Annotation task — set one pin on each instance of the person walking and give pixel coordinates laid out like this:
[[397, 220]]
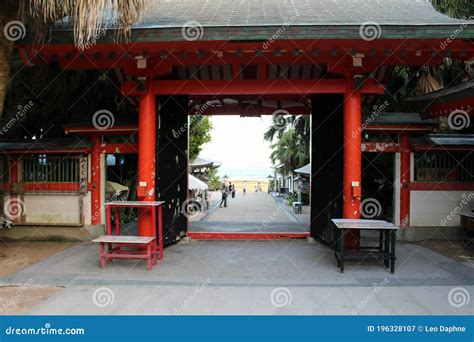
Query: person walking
[[224, 197], [233, 191], [244, 187]]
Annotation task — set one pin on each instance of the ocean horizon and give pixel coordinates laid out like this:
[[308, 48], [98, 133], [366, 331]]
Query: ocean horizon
[[243, 173]]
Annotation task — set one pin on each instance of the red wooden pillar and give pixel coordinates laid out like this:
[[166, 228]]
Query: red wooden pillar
[[404, 181], [95, 181], [146, 160], [14, 170], [352, 162]]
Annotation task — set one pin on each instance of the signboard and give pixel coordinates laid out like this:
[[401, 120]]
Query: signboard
[[83, 174]]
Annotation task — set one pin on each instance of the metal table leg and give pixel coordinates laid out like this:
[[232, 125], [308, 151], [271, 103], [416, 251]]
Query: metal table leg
[[341, 249], [380, 240], [386, 236], [393, 238]]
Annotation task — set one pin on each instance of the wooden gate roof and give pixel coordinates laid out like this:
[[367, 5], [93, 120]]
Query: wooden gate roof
[[176, 13], [302, 19]]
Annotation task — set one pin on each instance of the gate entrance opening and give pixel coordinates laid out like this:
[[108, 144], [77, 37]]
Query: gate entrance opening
[[248, 196]]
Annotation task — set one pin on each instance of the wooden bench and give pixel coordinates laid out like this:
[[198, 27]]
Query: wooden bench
[[136, 247], [132, 247]]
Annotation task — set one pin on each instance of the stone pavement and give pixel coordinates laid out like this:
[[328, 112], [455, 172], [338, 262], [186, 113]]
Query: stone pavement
[[251, 277], [253, 212]]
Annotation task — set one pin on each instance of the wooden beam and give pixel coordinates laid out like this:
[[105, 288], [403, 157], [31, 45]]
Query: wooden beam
[[381, 147], [251, 87]]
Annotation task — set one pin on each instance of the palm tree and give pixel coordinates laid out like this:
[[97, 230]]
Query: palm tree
[[290, 137], [454, 8], [289, 151], [8, 14], [301, 124], [86, 16], [408, 82], [290, 128]]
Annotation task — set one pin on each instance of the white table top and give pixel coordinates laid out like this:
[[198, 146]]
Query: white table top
[[363, 224], [124, 239], [134, 203]]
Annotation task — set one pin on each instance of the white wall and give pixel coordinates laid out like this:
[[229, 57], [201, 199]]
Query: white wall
[[439, 208], [103, 180], [87, 208], [52, 209]]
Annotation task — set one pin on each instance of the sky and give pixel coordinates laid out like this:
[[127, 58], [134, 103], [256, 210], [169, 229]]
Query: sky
[[238, 144]]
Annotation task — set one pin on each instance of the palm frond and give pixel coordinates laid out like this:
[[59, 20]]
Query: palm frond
[[90, 17]]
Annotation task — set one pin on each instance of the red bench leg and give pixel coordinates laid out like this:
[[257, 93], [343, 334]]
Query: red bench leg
[[109, 248], [155, 253], [149, 255], [102, 255]]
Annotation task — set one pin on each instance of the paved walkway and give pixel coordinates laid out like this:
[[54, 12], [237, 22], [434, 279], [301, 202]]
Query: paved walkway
[[251, 277], [253, 212]]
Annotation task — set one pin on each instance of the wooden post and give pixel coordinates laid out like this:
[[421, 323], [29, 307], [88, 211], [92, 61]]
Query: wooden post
[[352, 162], [146, 161], [405, 181], [95, 181]]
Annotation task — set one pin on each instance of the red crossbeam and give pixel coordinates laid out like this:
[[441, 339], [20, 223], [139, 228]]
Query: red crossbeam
[[250, 87]]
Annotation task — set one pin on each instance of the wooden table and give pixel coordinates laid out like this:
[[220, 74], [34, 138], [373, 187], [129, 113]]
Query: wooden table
[[132, 247], [385, 249]]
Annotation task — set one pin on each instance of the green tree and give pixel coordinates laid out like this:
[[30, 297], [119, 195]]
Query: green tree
[[215, 182], [290, 137], [454, 8], [200, 128], [408, 82], [289, 150]]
